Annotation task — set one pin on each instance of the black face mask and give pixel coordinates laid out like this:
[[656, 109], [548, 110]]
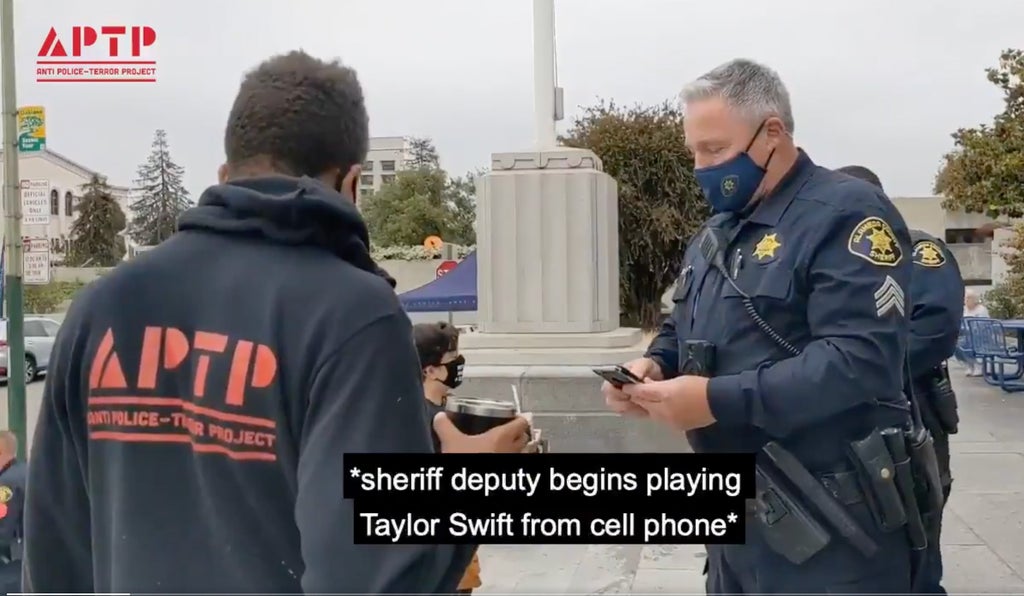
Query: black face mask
[[339, 180], [454, 368]]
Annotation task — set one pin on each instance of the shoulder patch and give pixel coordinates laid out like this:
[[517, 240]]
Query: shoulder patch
[[5, 494], [928, 253], [874, 241]]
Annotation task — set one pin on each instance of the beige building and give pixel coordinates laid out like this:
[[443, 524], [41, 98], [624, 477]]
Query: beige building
[[386, 157], [973, 252], [64, 178]]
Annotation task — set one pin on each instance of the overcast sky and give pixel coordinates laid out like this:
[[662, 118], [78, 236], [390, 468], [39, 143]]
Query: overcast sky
[[874, 82]]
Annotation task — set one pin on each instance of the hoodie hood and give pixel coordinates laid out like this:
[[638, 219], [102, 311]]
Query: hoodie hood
[[289, 211]]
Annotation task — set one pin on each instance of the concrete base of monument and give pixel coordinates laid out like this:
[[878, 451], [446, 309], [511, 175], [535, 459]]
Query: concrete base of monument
[[552, 349], [567, 405]]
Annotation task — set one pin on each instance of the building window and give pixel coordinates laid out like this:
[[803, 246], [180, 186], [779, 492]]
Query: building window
[[54, 202], [368, 166], [387, 166], [69, 203], [366, 180], [387, 178], [366, 192], [964, 236]]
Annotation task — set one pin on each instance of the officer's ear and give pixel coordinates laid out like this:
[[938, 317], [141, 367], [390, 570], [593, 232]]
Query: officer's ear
[[775, 130]]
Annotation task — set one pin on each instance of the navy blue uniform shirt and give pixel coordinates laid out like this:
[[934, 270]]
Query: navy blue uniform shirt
[[12, 497], [937, 296], [825, 259]]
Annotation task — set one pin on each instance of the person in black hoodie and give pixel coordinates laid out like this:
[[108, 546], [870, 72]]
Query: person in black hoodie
[[202, 396]]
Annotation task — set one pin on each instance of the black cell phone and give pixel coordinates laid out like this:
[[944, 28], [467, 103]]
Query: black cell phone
[[617, 375]]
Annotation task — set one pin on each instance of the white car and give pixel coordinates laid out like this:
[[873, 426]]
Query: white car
[[40, 334]]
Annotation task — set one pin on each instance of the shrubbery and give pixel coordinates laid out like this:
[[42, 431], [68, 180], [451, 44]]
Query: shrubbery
[[48, 298], [416, 253]]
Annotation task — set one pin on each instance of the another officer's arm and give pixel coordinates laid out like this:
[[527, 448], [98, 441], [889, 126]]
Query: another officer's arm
[[859, 337], [936, 290], [58, 536], [367, 397]]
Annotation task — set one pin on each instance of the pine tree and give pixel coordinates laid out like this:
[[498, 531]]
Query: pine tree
[[422, 155], [162, 195], [95, 234]]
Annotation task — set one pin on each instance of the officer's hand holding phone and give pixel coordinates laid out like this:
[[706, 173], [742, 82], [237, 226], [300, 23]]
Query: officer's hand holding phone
[[511, 437], [619, 402]]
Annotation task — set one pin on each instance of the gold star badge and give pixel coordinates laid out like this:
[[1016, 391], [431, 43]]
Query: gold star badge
[[766, 247]]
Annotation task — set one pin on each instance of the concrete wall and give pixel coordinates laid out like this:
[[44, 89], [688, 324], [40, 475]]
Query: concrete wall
[[975, 260]]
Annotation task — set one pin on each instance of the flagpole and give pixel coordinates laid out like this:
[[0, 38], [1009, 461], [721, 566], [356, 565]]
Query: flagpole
[[544, 73]]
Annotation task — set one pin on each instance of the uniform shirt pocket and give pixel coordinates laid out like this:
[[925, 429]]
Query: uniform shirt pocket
[[771, 284], [683, 285]]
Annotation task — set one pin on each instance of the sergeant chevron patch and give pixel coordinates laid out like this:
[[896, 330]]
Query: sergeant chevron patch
[[889, 297]]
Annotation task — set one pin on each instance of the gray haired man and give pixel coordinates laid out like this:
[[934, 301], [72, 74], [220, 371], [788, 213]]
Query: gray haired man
[[786, 337]]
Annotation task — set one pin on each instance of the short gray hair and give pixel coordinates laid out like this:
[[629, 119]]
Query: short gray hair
[[747, 86]]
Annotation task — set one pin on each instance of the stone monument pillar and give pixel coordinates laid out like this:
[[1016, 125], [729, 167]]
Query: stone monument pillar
[[548, 284]]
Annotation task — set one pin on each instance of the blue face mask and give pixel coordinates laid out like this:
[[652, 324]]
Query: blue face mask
[[729, 186]]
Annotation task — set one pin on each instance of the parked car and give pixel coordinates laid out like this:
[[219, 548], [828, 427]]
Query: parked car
[[40, 334]]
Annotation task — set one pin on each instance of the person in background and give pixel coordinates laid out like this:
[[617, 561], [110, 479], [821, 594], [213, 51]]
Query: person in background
[[972, 308], [437, 345], [936, 287], [12, 502], [202, 397]]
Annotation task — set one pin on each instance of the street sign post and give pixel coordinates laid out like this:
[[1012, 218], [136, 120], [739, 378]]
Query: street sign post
[[37, 261], [35, 202], [13, 291], [31, 129]]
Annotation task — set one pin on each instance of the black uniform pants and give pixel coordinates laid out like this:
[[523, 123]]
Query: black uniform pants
[[753, 568], [930, 581]]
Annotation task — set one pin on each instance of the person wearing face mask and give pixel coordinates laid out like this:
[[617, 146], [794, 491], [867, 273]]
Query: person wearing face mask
[[438, 347], [786, 340], [202, 398]]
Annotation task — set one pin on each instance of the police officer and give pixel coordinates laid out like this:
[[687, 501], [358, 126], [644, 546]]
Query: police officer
[[936, 294], [12, 502], [786, 340]]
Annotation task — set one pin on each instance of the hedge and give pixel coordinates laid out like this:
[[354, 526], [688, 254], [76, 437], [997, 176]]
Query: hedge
[[416, 253]]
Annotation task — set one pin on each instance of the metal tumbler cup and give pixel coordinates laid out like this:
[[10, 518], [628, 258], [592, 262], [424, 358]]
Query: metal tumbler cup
[[475, 416]]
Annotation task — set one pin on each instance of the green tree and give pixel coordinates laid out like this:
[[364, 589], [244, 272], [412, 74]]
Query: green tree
[[407, 210], [95, 234], [460, 206], [422, 154], [162, 195], [984, 173], [1006, 300], [422, 201], [660, 204]]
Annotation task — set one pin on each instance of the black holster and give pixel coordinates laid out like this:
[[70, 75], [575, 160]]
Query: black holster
[[927, 480], [787, 527], [940, 399]]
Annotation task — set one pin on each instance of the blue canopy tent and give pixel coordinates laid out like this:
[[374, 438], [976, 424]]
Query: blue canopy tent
[[453, 292]]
